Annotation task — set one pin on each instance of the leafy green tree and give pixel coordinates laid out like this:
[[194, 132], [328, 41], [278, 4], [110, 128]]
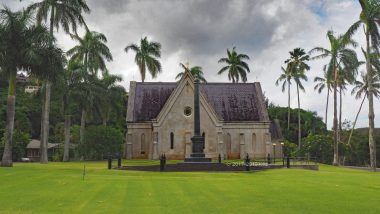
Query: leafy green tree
[[236, 66], [340, 56], [370, 19], [319, 147], [196, 71], [101, 141], [146, 57], [286, 78], [63, 13], [20, 47], [311, 122], [297, 65]]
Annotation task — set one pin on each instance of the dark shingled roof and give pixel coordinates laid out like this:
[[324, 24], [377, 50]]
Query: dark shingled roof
[[150, 98], [232, 102]]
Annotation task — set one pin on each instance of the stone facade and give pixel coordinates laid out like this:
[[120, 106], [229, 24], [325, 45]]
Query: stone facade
[[160, 120]]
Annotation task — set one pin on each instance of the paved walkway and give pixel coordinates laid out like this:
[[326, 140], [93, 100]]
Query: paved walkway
[[360, 167]]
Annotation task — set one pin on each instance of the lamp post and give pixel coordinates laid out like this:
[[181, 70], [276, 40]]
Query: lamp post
[[283, 156], [274, 153]]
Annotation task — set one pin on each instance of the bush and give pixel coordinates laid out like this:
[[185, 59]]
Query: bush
[[318, 146], [100, 141], [20, 141]]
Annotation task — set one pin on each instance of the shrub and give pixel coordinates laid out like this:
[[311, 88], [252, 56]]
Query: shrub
[[100, 141]]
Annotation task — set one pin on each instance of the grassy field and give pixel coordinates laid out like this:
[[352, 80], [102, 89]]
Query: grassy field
[[59, 188]]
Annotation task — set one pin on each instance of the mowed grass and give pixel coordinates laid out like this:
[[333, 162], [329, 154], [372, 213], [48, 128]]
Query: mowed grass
[[59, 188]]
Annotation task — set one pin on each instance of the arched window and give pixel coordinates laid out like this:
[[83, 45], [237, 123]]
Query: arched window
[[171, 140]]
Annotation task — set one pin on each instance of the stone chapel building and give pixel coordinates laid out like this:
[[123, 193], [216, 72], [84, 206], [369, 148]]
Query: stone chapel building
[[234, 120]]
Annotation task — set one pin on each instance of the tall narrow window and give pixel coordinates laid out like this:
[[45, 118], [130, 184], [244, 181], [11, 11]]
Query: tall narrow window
[[143, 144], [204, 138], [171, 140]]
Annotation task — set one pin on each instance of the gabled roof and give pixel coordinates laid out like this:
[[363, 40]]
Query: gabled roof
[[232, 102], [35, 144], [236, 102]]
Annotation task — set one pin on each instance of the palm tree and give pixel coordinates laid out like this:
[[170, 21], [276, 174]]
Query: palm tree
[[297, 66], [340, 57], [146, 57], [22, 46], [65, 13], [70, 78], [370, 19], [360, 89], [236, 66], [109, 96], [286, 77], [91, 51], [196, 71], [322, 83]]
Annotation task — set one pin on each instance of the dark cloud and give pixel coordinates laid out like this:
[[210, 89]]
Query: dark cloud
[[199, 27]]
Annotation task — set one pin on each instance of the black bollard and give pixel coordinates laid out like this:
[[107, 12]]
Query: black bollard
[[119, 161], [164, 159], [268, 158], [109, 162], [219, 158], [161, 163], [247, 163], [288, 162]]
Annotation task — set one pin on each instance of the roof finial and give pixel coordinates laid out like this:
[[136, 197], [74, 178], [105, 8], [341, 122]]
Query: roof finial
[[187, 64]]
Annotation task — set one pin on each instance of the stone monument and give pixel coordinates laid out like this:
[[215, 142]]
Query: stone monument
[[198, 141]]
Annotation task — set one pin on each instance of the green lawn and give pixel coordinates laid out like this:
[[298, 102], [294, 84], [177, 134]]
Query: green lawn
[[59, 188]]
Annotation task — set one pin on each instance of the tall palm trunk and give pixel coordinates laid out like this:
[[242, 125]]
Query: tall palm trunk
[[82, 125], [340, 115], [371, 114], [66, 150], [46, 110], [288, 105], [45, 136], [356, 118], [11, 105], [299, 118], [335, 123], [327, 105]]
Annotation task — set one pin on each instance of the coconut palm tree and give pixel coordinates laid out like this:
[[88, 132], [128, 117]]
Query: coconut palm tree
[[297, 66], [340, 56], [146, 57], [322, 83], [196, 71], [236, 66], [27, 47], [360, 89], [369, 18], [65, 13], [92, 52], [286, 78]]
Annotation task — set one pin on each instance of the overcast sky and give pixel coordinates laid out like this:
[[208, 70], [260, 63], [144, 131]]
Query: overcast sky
[[199, 32]]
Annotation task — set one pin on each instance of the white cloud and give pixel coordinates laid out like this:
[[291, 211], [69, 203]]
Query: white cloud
[[201, 31]]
